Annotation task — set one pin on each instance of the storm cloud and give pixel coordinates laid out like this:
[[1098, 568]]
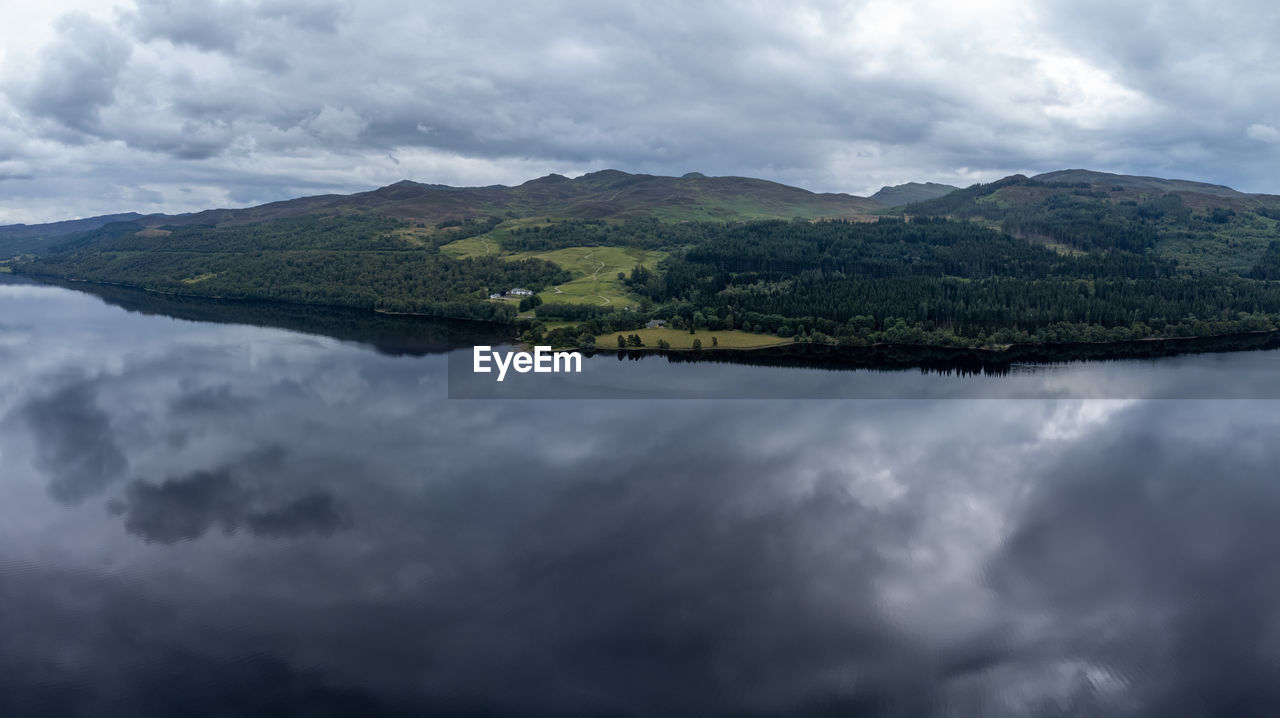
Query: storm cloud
[[228, 498], [163, 106]]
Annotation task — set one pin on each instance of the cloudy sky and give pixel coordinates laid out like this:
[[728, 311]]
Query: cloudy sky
[[155, 105]]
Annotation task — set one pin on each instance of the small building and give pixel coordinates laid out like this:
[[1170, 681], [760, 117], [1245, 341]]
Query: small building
[[496, 295], [655, 324], [520, 292]]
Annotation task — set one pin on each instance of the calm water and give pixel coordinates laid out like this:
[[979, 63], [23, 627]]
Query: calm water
[[213, 519]]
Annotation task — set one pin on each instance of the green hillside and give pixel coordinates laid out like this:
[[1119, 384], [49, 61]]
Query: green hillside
[[365, 261], [608, 194], [911, 192], [1200, 226], [18, 239], [1148, 184], [1080, 256]]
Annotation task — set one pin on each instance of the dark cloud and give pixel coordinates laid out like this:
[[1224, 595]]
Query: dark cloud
[[216, 25], [310, 15], [185, 508], [190, 675], [75, 442], [1150, 559], [78, 75], [213, 399], [182, 509], [226, 25], [316, 513]]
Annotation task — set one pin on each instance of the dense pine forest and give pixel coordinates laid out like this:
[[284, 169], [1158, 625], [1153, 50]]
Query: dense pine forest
[[936, 281]]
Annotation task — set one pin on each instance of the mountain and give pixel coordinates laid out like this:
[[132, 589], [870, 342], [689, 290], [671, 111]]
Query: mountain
[[911, 192], [32, 238], [1200, 226], [64, 228], [607, 194], [1073, 256], [1134, 182], [1113, 188]]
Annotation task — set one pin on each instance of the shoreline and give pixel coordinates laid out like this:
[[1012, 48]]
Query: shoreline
[[993, 350], [793, 353], [902, 356]]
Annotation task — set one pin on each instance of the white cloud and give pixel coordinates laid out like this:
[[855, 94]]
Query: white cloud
[[1263, 133]]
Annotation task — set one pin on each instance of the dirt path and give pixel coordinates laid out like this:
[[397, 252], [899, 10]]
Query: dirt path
[[595, 277]]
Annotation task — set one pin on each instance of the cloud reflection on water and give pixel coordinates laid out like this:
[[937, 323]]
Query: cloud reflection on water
[[278, 521]]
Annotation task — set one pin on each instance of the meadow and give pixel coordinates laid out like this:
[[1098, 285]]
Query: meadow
[[595, 268], [682, 339]]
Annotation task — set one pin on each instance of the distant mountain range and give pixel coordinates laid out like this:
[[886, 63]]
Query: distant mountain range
[[613, 195], [29, 238], [608, 194]]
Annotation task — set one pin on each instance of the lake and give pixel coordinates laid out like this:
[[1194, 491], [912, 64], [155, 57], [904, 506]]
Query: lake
[[265, 511]]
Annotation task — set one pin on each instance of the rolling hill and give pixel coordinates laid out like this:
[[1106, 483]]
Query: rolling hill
[[1135, 182], [911, 192], [34, 238], [1202, 227], [1066, 256], [608, 195]]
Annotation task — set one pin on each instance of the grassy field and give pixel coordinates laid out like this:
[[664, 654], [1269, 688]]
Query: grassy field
[[596, 273], [682, 339], [595, 269], [489, 242], [471, 247]]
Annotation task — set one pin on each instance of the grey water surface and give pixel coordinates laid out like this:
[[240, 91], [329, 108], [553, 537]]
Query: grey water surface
[[218, 519]]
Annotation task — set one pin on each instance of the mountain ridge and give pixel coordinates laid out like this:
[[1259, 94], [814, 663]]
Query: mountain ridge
[[896, 195], [612, 194], [606, 194], [1138, 182]]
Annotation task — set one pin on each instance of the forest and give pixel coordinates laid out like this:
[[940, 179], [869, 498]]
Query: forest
[[348, 261], [940, 282], [1070, 265]]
